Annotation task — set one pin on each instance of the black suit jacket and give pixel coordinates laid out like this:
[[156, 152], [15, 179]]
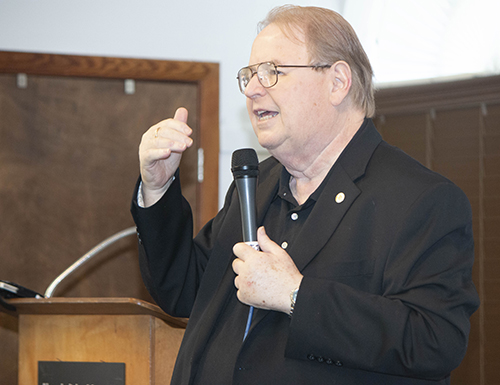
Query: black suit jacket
[[387, 290]]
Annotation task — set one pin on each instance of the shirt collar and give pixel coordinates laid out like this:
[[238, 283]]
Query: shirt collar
[[285, 193]]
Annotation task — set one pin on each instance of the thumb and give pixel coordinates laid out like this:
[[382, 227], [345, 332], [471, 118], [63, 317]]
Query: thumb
[[181, 114], [265, 243]]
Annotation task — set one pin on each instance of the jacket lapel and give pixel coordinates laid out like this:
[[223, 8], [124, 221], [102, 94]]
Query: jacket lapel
[[266, 192], [337, 197]]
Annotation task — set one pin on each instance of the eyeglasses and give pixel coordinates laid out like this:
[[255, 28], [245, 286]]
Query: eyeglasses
[[267, 73]]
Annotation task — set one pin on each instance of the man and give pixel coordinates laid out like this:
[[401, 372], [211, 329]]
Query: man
[[364, 273]]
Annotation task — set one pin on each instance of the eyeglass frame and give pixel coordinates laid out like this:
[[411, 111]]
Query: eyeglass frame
[[276, 66]]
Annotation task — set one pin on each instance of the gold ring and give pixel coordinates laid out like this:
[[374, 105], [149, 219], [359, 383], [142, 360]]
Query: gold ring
[[156, 131]]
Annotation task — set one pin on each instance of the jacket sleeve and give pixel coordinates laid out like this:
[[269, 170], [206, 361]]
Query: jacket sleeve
[[172, 263], [417, 324]]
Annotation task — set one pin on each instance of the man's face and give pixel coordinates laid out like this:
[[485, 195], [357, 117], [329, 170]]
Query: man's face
[[291, 116]]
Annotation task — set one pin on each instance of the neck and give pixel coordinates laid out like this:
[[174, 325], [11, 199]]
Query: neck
[[309, 168]]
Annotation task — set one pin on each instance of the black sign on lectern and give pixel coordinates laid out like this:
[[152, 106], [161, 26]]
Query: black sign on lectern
[[81, 373]]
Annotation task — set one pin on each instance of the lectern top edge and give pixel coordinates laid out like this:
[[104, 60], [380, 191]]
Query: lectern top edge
[[92, 306]]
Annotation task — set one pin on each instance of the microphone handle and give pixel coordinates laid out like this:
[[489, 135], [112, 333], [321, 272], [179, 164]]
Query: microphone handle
[[246, 187]]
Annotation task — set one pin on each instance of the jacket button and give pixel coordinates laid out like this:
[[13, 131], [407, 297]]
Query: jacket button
[[311, 357]]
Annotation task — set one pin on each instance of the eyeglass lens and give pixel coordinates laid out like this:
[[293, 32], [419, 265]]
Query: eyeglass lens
[[266, 73]]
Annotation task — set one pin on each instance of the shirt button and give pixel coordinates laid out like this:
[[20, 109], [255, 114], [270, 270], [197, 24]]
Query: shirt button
[[295, 216], [284, 245]]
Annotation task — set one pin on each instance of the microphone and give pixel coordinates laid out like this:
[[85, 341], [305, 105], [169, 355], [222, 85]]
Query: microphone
[[245, 169]]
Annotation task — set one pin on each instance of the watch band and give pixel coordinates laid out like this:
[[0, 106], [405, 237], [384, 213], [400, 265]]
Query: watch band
[[293, 299]]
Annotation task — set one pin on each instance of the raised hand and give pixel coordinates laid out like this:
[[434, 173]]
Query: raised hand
[[160, 154]]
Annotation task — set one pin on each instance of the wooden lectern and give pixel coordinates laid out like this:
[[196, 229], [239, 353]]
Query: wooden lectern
[[121, 330]]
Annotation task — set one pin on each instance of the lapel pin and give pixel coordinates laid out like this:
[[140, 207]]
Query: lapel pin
[[340, 197]]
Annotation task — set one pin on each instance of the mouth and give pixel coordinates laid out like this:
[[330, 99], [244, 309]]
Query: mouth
[[264, 114]]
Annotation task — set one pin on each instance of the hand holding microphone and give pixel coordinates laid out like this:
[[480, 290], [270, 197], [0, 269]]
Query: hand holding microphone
[[264, 278], [160, 154]]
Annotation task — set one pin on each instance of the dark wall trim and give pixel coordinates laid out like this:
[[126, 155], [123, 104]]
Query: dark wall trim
[[444, 95]]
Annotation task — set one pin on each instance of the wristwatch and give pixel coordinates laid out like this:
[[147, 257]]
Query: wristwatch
[[293, 299]]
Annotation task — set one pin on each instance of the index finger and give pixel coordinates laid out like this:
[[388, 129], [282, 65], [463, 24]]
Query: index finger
[[177, 123], [243, 249]]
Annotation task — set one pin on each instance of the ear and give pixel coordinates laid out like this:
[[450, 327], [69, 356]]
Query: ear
[[341, 81]]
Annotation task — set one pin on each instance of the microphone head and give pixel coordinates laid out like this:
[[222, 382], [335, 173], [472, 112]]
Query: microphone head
[[245, 163]]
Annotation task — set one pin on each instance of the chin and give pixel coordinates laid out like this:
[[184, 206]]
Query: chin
[[265, 141], [272, 148]]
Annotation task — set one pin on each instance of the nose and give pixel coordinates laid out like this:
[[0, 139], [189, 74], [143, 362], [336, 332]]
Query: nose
[[254, 88]]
